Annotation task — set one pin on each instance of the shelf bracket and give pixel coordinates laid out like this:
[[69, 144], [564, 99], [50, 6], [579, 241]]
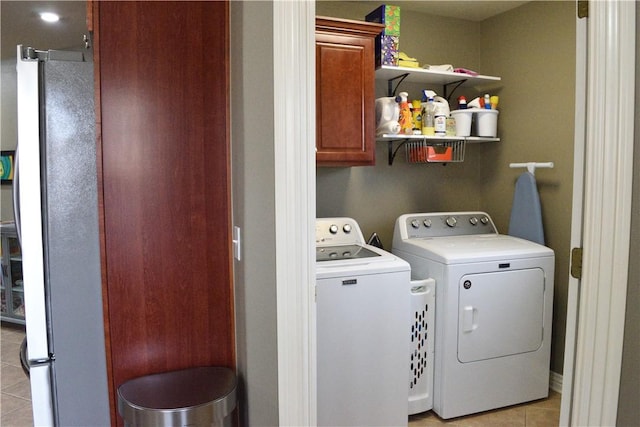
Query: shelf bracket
[[392, 152], [391, 91], [445, 87]]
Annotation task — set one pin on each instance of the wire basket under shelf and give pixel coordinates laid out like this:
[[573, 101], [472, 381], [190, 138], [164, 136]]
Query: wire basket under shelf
[[435, 152]]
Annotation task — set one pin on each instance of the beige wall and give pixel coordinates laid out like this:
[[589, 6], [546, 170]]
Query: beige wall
[[254, 211], [532, 48]]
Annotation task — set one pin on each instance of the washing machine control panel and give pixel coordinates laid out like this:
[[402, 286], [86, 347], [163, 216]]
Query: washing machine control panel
[[338, 231], [442, 224]]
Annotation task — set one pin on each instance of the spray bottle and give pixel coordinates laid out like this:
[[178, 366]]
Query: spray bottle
[[405, 120]]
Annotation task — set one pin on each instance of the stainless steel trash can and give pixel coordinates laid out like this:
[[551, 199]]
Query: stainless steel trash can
[[204, 396]]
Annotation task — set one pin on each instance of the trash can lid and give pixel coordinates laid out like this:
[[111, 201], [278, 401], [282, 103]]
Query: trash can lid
[[211, 389]]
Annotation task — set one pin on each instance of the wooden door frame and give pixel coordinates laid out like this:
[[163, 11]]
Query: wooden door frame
[[295, 186]]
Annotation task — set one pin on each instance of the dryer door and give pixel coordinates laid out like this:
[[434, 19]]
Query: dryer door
[[500, 314]]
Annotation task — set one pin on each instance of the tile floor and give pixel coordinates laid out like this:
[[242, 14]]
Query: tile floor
[[15, 406], [540, 413], [15, 399]]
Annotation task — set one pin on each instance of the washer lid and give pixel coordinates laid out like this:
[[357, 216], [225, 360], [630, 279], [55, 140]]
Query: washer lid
[[341, 252], [368, 260], [477, 248]]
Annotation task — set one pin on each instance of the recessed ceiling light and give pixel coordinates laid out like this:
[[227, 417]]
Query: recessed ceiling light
[[49, 17]]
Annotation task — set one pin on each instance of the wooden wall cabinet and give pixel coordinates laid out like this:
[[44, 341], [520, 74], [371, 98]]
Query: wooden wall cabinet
[[345, 92]]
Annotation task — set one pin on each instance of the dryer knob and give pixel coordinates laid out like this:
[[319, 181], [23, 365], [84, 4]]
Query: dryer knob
[[473, 220], [427, 223], [346, 228], [451, 221], [415, 223], [484, 220], [333, 229]]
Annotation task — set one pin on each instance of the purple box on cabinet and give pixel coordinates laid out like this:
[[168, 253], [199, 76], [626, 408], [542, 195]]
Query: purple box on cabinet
[[387, 53], [387, 43]]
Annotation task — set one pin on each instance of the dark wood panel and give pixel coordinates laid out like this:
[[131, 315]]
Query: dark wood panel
[[341, 109], [165, 165]]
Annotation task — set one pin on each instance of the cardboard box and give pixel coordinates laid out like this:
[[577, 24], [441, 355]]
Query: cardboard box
[[389, 16], [387, 43], [387, 52]]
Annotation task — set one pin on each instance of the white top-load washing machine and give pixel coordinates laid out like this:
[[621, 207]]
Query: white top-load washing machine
[[494, 298], [363, 304]]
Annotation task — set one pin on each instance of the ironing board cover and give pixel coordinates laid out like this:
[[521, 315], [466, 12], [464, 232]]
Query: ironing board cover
[[526, 215]]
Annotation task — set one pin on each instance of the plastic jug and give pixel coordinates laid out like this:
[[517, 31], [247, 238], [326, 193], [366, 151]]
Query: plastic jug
[[442, 105], [387, 116]]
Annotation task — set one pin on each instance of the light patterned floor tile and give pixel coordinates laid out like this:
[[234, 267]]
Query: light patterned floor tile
[[541, 413], [541, 417], [21, 417]]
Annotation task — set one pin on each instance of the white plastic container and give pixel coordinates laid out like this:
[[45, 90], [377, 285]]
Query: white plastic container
[[463, 121], [486, 123]]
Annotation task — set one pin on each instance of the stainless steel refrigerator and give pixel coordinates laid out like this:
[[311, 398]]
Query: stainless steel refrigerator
[[57, 219]]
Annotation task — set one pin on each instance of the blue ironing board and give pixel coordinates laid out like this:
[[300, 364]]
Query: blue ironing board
[[526, 215]]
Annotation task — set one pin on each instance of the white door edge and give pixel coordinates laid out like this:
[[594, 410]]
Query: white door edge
[[295, 187], [576, 217]]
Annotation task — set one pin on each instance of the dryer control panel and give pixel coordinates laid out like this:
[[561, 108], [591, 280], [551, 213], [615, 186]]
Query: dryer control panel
[[440, 224]]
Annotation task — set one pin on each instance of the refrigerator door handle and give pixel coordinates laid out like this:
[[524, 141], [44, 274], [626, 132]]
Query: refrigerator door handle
[[31, 227]]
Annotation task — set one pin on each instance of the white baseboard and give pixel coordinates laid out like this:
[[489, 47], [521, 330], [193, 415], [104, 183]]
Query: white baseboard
[[555, 382]]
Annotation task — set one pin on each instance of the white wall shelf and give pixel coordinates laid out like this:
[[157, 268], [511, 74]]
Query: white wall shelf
[[396, 75], [390, 74]]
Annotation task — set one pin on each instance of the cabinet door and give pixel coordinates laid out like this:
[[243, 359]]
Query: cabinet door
[[345, 97]]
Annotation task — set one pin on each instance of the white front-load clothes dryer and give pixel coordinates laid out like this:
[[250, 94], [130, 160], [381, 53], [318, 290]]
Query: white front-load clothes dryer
[[494, 299]]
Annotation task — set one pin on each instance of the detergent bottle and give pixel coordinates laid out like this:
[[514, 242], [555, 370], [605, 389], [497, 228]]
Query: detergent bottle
[[416, 116], [405, 121]]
